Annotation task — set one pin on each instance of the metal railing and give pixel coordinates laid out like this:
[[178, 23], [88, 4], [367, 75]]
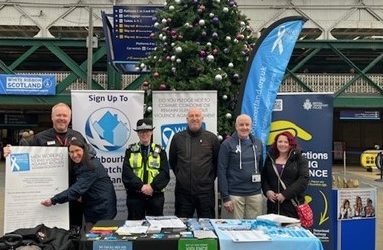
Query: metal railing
[[316, 82], [333, 83]]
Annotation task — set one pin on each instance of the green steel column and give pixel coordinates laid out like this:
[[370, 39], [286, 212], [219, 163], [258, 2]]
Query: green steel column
[[114, 78]]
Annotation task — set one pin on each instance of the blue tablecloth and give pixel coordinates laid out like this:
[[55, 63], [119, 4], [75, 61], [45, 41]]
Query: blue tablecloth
[[286, 238]]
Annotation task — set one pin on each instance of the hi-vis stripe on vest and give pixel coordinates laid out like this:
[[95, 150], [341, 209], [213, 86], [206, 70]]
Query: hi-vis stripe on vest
[[152, 164]]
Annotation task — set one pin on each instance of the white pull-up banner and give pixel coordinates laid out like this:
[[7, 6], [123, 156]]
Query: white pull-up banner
[[107, 118]]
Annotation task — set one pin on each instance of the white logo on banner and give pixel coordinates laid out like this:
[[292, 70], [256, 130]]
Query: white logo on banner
[[108, 129], [307, 105], [278, 41]]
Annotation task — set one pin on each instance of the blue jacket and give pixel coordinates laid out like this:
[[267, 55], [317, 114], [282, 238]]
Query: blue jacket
[[236, 166], [96, 190]]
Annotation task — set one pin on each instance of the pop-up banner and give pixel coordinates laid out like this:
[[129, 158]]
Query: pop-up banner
[[309, 117], [169, 117], [107, 119]]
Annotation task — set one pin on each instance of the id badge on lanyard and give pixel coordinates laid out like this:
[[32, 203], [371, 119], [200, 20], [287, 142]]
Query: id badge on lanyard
[[256, 178]]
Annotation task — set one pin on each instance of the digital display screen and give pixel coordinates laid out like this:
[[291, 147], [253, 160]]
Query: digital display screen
[[359, 115]]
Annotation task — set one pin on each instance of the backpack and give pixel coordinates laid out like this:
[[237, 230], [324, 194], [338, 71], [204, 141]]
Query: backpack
[[40, 237]]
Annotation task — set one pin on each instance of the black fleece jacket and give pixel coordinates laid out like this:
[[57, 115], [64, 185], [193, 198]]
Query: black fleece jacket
[[193, 158]]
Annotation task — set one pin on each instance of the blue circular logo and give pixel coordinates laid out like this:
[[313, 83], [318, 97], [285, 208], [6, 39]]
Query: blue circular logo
[[47, 83], [108, 129]]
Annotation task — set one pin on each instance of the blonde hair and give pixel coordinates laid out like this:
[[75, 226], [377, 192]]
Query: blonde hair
[[60, 104]]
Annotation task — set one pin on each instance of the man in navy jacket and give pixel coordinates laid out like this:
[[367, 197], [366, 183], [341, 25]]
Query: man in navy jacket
[[239, 172]]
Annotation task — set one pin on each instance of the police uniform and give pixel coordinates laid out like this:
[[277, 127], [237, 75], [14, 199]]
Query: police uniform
[[145, 165]]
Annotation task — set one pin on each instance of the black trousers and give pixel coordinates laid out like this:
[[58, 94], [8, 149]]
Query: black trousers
[[76, 211], [140, 206], [187, 204]]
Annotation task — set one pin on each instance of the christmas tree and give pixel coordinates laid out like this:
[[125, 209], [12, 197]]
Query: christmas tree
[[201, 45]]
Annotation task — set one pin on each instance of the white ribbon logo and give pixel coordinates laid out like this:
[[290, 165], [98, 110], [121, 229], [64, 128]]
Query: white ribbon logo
[[278, 41], [238, 150], [165, 138], [14, 165]]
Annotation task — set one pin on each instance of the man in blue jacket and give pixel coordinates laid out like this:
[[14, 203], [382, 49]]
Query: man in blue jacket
[[239, 172]]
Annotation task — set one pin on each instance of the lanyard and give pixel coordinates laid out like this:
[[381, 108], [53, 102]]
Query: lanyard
[[61, 142], [254, 152]]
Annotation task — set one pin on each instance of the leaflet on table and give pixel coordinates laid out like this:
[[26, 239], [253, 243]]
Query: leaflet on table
[[134, 223], [279, 220], [124, 230], [288, 232], [247, 235], [199, 224], [232, 224], [133, 227], [204, 234], [172, 222]]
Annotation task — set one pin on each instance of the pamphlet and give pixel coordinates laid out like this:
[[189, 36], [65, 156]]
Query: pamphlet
[[204, 234], [247, 235], [279, 220]]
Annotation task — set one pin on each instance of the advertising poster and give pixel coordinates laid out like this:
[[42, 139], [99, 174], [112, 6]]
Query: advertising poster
[[309, 117], [34, 174], [107, 119], [356, 203], [169, 117]]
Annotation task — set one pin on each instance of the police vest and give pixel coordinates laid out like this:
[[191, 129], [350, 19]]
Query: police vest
[[152, 163]]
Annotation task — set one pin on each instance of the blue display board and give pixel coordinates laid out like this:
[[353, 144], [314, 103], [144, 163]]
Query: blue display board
[[352, 234], [132, 29], [309, 117], [11, 84], [129, 35]]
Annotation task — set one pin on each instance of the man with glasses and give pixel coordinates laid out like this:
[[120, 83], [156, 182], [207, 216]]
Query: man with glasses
[[145, 174]]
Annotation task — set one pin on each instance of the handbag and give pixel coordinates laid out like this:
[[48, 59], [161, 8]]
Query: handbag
[[305, 213]]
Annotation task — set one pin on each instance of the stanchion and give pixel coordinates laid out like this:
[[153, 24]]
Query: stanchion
[[379, 164], [344, 164]]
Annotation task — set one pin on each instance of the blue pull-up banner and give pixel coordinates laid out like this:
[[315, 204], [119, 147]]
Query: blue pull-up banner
[[265, 72], [309, 117]]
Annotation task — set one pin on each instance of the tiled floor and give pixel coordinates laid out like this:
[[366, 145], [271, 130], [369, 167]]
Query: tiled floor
[[366, 179]]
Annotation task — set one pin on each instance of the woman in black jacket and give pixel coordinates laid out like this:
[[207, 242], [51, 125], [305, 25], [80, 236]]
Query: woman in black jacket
[[284, 162], [92, 186]]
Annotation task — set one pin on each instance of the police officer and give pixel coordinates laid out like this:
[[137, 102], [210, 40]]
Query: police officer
[[145, 174]]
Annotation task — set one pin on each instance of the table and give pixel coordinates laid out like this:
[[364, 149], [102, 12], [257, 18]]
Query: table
[[281, 238], [169, 241], [286, 238]]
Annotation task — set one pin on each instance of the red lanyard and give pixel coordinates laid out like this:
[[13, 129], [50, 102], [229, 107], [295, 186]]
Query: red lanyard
[[62, 143]]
